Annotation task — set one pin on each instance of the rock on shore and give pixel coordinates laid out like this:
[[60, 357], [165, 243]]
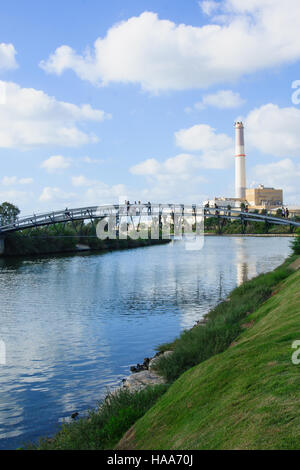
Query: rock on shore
[[144, 375]]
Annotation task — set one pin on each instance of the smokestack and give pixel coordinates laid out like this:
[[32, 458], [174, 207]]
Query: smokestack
[[240, 166]]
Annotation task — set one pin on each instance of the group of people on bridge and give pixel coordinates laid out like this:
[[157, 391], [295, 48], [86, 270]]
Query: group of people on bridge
[[137, 205], [285, 212]]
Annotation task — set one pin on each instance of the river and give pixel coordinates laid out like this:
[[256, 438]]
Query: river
[[73, 325]]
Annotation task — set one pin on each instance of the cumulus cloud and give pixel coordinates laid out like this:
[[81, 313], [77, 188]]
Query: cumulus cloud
[[168, 180], [283, 174], [274, 130], [13, 180], [216, 149], [183, 174], [54, 194], [209, 6], [223, 99], [30, 117], [15, 196], [7, 57], [92, 160], [248, 36], [56, 163], [97, 190], [83, 181], [180, 167]]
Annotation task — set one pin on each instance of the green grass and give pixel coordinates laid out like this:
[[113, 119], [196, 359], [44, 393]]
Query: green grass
[[244, 398], [180, 417], [105, 426], [224, 324]]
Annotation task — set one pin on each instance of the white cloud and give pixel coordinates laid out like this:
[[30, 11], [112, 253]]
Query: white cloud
[[98, 190], [216, 149], [283, 174], [168, 180], [147, 167], [26, 180], [16, 197], [30, 117], [102, 193], [249, 35], [92, 160], [54, 194], [274, 130], [82, 181], [7, 57], [13, 180], [209, 6], [223, 99], [180, 167], [56, 163]]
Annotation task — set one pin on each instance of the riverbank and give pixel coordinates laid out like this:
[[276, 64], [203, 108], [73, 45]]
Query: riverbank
[[25, 245], [252, 386], [223, 325]]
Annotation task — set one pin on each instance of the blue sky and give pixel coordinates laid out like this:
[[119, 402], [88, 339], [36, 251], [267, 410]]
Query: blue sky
[[102, 101]]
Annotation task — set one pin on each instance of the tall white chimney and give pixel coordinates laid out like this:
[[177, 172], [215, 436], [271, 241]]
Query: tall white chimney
[[240, 166]]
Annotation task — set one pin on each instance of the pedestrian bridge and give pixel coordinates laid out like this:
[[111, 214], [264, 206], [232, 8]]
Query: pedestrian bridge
[[140, 211]]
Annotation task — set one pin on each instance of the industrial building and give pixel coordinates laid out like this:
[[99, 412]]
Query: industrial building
[[264, 197]]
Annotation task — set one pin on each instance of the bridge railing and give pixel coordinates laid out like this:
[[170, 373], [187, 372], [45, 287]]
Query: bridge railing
[[131, 210]]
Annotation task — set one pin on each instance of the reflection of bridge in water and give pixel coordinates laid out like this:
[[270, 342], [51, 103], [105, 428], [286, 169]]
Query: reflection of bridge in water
[[138, 212]]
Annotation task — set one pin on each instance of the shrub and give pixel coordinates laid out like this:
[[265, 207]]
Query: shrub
[[296, 243], [105, 426]]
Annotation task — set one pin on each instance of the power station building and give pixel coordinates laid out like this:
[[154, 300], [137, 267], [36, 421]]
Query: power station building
[[264, 197]]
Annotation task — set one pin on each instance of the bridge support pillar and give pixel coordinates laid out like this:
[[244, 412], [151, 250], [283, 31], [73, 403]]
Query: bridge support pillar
[[2, 246], [267, 226]]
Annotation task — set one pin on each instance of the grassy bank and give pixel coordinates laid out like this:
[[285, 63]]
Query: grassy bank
[[64, 238], [243, 398], [104, 427], [159, 422]]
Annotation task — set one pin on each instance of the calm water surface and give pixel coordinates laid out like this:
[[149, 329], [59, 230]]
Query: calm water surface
[[73, 325]]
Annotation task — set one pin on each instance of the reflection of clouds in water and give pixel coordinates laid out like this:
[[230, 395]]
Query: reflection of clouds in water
[[227, 263], [37, 373], [74, 325]]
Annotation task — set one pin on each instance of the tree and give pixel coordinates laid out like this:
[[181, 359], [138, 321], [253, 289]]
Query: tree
[[8, 213], [296, 243]]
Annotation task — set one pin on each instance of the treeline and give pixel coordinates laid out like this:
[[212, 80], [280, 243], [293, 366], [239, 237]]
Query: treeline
[[60, 238], [296, 243], [227, 226]]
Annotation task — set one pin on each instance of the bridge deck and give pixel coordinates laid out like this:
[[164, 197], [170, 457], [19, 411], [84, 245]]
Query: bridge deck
[[133, 210]]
